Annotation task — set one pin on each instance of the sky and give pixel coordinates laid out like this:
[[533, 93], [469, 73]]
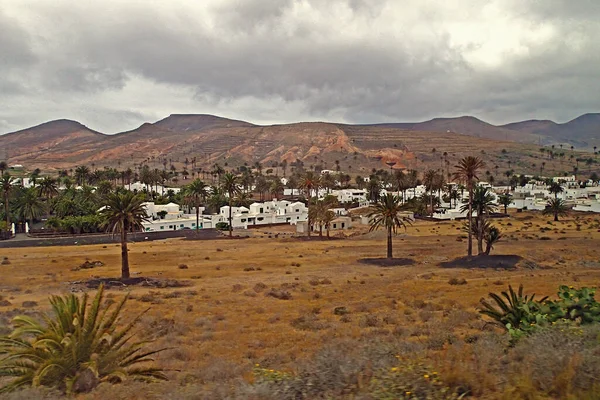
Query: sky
[[113, 65]]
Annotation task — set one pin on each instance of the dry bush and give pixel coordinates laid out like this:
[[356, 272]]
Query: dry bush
[[279, 294], [309, 322]]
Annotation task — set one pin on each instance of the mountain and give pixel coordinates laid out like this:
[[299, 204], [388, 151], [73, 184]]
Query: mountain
[[467, 125], [583, 131], [197, 122], [210, 139]]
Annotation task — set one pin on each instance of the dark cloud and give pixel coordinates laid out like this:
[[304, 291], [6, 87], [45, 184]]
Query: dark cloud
[[287, 60]]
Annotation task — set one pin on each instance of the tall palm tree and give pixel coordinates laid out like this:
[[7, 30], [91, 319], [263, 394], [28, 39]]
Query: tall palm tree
[[29, 205], [429, 180], [504, 200], [467, 172], [194, 194], [3, 167], [309, 182], [556, 207], [82, 173], [6, 185], [385, 214], [276, 189], [47, 187], [555, 188], [231, 186], [124, 212], [483, 204]]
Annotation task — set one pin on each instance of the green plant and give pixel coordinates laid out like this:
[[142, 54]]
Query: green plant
[[76, 348], [516, 312]]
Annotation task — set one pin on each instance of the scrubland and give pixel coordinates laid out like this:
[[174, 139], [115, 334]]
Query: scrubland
[[273, 316]]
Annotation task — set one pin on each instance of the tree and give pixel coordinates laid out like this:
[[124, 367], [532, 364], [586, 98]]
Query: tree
[[82, 173], [6, 186], [309, 182], [124, 212], [193, 195], [75, 348], [48, 187], [467, 172], [327, 219], [492, 235], [276, 188], [483, 204], [231, 186], [385, 214], [3, 167], [557, 208], [29, 205], [430, 182], [555, 188], [505, 200]]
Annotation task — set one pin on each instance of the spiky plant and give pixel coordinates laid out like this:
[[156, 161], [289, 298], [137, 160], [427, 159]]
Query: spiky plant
[[75, 348], [515, 310]]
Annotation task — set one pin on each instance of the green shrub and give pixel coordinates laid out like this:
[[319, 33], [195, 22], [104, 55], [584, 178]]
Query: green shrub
[[76, 348], [522, 315]]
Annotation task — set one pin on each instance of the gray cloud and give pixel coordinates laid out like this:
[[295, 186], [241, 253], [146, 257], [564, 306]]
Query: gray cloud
[[116, 63]]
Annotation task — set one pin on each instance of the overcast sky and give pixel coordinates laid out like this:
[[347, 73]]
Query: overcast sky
[[113, 65]]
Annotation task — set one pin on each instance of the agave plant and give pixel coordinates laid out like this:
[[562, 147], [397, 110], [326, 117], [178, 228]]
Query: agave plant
[[76, 348], [515, 311]]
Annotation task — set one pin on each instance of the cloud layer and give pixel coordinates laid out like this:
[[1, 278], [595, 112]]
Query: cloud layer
[[115, 64]]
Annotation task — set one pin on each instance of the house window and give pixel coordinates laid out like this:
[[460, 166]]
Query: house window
[[193, 224], [297, 210], [162, 227], [287, 219], [260, 210], [260, 218], [170, 226], [181, 226], [243, 219], [334, 226], [343, 224]]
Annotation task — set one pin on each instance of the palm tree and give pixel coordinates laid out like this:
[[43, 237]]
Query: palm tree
[[124, 212], [467, 172], [194, 194], [82, 174], [309, 182], [48, 187], [78, 346], [3, 167], [29, 205], [505, 200], [555, 188], [231, 186], [6, 186], [385, 214], [327, 219], [276, 188], [557, 208], [483, 203], [429, 180]]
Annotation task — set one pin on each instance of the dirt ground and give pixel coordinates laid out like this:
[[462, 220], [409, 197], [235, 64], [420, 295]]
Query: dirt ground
[[224, 314]]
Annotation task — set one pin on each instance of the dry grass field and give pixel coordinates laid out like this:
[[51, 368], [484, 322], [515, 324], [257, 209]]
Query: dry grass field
[[270, 300]]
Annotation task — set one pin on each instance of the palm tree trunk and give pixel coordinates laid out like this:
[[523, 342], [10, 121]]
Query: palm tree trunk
[[124, 253], [6, 211], [480, 234], [389, 242], [555, 216], [197, 217], [308, 218], [470, 218], [320, 230], [230, 219]]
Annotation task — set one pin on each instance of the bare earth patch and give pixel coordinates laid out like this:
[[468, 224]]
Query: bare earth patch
[[387, 262]]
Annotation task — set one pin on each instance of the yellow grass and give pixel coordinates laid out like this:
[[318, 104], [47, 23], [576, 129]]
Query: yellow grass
[[221, 316]]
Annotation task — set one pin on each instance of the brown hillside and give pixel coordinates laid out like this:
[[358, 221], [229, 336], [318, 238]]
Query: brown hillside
[[209, 139]]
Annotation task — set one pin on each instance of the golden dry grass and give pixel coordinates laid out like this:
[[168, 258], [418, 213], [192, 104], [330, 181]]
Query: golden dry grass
[[222, 317]]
